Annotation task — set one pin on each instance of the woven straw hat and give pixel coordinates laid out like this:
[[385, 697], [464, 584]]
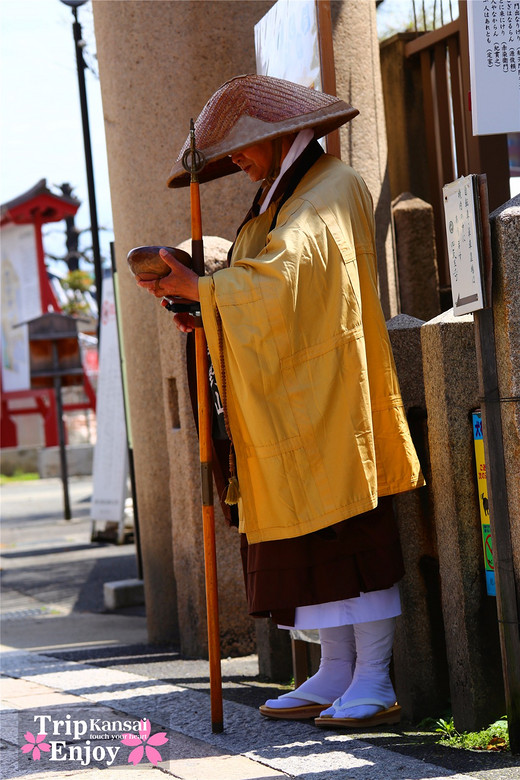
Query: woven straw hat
[[251, 109]]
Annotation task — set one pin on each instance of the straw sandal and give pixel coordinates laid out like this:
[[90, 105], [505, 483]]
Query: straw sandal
[[387, 716], [300, 712]]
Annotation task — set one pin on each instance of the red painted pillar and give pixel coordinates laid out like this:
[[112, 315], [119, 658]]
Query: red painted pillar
[[50, 419], [47, 297], [8, 431]]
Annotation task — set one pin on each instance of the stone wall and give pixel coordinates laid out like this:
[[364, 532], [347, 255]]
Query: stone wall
[[469, 614], [420, 663]]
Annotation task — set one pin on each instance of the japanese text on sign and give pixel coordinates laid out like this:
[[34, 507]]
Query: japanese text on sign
[[494, 52], [485, 521], [463, 243]]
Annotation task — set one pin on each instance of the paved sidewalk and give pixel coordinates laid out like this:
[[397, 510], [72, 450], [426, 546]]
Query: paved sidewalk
[[84, 677], [194, 758], [42, 690]]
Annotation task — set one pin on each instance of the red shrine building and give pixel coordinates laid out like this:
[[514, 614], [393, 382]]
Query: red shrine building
[[26, 293]]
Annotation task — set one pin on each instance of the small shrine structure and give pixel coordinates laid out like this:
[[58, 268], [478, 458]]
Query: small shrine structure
[[26, 293]]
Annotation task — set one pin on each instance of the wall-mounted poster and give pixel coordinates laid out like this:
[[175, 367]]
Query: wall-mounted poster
[[494, 57], [287, 43], [20, 301]]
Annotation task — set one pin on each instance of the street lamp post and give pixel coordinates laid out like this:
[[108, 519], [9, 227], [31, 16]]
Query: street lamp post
[[81, 65]]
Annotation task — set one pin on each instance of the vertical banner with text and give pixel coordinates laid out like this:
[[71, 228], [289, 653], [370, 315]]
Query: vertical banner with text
[[494, 56], [485, 520]]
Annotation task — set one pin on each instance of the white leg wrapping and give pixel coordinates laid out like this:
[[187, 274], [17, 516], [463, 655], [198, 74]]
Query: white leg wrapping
[[371, 689], [338, 655]]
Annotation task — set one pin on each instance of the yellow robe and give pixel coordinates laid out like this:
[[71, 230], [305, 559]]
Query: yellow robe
[[313, 398]]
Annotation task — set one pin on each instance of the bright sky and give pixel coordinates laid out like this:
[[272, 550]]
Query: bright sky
[[40, 120]]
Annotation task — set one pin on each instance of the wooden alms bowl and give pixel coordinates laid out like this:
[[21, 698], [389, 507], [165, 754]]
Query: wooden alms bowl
[[146, 263]]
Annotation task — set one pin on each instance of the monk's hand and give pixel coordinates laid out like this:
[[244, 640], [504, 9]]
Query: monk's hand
[[184, 321], [181, 282]]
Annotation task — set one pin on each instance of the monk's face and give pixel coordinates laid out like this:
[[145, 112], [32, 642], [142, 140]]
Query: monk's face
[[255, 160]]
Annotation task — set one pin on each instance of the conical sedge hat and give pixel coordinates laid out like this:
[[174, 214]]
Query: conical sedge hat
[[249, 109]]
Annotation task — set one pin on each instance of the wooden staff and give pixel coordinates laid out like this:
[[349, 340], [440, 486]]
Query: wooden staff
[[193, 162]]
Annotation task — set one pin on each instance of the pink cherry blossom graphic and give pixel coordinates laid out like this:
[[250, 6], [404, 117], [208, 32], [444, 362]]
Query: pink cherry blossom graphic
[[144, 744], [35, 745]]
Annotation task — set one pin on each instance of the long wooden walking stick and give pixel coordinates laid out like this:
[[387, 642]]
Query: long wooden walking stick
[[193, 162]]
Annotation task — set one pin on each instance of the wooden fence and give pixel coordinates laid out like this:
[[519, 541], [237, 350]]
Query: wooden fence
[[452, 149]]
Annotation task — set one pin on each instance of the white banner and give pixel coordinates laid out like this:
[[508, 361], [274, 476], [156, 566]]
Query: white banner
[[494, 58], [110, 468], [20, 301], [287, 44]]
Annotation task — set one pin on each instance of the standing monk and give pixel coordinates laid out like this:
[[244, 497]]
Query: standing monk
[[313, 409]]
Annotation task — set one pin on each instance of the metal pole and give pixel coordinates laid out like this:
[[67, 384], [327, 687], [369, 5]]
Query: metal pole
[[506, 591], [508, 616], [61, 433], [80, 62]]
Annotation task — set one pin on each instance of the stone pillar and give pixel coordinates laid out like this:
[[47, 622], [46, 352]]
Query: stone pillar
[[505, 226], [470, 618], [274, 651], [416, 256], [420, 665], [159, 63], [363, 141], [236, 628]]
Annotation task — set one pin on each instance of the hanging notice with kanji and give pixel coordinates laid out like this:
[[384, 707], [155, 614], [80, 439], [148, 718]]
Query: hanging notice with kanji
[[464, 241], [494, 59], [485, 521]]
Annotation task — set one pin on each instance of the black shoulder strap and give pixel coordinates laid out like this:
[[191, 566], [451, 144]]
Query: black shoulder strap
[[293, 176], [253, 212]]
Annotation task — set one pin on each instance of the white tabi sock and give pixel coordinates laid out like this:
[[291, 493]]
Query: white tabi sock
[[338, 656], [371, 679]]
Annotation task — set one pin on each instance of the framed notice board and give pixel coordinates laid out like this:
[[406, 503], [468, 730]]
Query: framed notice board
[[468, 243]]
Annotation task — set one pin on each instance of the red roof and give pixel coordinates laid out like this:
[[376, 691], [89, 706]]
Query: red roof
[[38, 204]]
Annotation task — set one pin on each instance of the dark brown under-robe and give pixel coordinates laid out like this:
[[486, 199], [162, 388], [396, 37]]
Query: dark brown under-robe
[[362, 553]]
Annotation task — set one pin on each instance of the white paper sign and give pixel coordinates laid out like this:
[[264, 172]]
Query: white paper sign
[[110, 467], [20, 301], [463, 240], [494, 56], [287, 44]]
